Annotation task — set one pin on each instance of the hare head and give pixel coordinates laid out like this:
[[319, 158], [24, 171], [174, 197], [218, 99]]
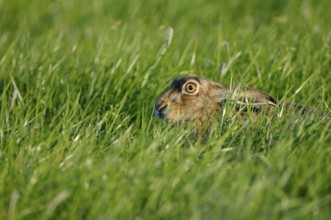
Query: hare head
[[194, 98], [188, 98]]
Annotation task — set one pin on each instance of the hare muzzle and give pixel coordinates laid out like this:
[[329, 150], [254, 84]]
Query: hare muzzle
[[159, 110]]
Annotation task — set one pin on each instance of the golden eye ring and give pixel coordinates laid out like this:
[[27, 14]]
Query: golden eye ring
[[190, 87]]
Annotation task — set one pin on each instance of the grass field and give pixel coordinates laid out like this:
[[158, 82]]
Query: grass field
[[78, 80]]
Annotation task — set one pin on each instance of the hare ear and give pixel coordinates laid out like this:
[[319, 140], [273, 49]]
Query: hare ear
[[254, 98]]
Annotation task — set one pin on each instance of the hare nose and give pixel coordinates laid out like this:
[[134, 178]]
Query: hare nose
[[159, 110]]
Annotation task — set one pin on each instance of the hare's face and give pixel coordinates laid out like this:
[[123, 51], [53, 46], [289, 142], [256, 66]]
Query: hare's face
[[187, 99]]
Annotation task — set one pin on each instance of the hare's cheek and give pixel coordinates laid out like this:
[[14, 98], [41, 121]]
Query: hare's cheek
[[174, 115], [188, 101]]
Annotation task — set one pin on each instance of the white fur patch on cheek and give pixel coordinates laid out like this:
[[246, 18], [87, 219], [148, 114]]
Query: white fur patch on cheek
[[175, 97], [172, 96]]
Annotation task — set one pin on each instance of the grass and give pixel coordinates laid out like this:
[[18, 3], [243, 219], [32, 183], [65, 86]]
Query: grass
[[78, 80]]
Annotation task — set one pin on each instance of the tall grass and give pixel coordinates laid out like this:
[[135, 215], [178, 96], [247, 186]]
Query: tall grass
[[78, 80]]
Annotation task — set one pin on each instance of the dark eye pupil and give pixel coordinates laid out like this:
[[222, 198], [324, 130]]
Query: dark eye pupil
[[190, 87]]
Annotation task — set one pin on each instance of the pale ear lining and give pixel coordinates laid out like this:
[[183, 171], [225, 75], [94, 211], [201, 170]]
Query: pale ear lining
[[243, 96]]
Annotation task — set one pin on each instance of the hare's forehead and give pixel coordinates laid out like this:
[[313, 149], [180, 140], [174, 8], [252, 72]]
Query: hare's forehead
[[179, 82]]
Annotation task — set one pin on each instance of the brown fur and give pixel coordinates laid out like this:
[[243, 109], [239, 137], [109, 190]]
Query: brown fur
[[176, 104]]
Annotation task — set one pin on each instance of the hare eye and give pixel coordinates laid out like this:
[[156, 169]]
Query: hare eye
[[190, 87]]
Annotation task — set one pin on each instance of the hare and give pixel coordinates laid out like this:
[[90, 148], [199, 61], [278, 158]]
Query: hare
[[200, 99]]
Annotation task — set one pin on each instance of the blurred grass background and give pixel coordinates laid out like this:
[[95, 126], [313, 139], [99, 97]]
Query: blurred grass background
[[78, 83]]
